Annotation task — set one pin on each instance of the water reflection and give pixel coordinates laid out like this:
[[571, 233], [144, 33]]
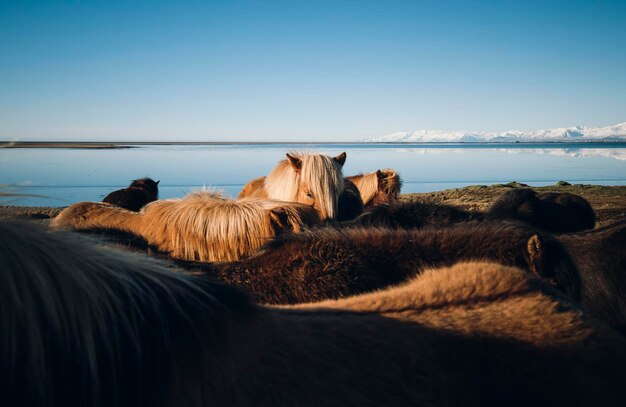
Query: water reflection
[[67, 176]]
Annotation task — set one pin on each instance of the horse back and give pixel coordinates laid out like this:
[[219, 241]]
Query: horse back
[[254, 189]]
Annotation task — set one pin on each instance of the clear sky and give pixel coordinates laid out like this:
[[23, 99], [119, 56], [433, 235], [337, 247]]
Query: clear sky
[[306, 71]]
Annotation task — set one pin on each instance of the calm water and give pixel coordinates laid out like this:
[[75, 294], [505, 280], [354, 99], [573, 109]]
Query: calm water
[[59, 177]]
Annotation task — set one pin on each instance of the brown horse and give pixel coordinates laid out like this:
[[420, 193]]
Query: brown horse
[[600, 257], [140, 192], [379, 187], [203, 226], [310, 179], [331, 263], [88, 327], [350, 204], [554, 212]]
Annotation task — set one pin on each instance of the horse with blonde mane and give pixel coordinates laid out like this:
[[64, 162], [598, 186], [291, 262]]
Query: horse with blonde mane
[[310, 179], [379, 187], [83, 326], [203, 226]]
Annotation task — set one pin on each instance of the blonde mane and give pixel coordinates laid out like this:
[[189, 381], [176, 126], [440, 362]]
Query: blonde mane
[[203, 226], [386, 181], [391, 183], [367, 184], [320, 173]]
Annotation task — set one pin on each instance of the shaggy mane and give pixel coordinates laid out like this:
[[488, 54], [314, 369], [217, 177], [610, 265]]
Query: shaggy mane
[[77, 323], [369, 184], [320, 172], [83, 326], [203, 226]]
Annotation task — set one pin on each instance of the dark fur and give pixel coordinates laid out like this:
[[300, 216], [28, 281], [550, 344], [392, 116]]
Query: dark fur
[[554, 212], [333, 263], [600, 256], [413, 215], [88, 327], [140, 192], [350, 204]]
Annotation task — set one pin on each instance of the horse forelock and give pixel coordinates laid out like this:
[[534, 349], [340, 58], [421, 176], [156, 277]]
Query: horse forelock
[[325, 180], [84, 326], [322, 174], [282, 182], [392, 183]]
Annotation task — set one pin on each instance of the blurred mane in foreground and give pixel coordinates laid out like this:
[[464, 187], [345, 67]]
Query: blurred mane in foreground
[[379, 187], [203, 226], [311, 179], [83, 326]]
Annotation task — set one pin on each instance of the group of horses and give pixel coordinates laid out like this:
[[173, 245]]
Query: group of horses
[[368, 300]]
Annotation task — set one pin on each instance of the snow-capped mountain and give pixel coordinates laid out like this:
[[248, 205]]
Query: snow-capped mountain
[[561, 134]]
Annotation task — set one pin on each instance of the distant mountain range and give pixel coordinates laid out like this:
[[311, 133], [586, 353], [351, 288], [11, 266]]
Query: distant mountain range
[[562, 134]]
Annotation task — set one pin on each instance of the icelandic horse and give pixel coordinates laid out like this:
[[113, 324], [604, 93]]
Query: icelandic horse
[[84, 326], [310, 179], [203, 226]]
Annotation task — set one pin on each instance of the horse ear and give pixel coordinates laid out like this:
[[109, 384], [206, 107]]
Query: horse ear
[[341, 158], [535, 250], [381, 180], [281, 220], [295, 162], [158, 182]]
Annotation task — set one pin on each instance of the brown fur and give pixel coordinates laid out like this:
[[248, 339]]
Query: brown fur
[[414, 215], [202, 226], [311, 179], [333, 263], [140, 192], [554, 212], [379, 187], [350, 204], [89, 327], [600, 257]]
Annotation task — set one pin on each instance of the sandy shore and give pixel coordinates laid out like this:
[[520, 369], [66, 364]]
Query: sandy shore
[[609, 202]]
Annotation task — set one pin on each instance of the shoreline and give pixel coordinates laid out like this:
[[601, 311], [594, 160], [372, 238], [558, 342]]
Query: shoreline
[[61, 145], [609, 202], [139, 144]]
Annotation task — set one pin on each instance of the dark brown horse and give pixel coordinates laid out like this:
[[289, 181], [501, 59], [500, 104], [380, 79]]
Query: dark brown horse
[[350, 204], [554, 212], [140, 192], [600, 257], [88, 327], [332, 263], [413, 215]]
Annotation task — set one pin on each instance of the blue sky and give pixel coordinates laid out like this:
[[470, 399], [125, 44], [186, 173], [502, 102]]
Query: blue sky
[[306, 71]]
